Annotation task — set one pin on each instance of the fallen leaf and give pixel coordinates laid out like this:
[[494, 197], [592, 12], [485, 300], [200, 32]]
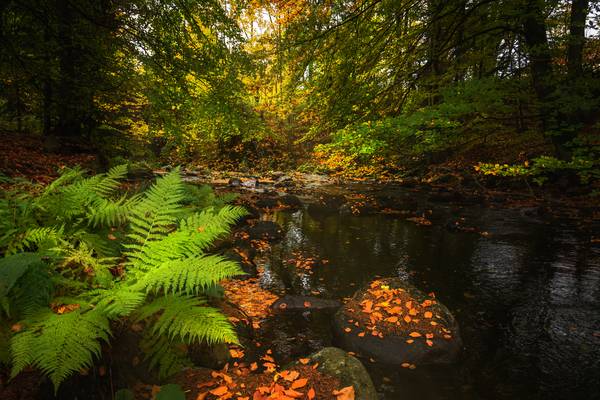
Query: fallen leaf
[[346, 393], [311, 394], [414, 334], [304, 361], [299, 383], [220, 391]]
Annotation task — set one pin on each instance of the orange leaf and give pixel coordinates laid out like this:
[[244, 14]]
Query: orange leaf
[[429, 342], [347, 330], [299, 383], [220, 391], [361, 334], [311, 394], [291, 376], [346, 393], [304, 361], [392, 319], [407, 319], [414, 334], [428, 314]]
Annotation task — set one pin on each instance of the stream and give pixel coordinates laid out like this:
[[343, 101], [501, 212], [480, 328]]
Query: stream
[[524, 288]]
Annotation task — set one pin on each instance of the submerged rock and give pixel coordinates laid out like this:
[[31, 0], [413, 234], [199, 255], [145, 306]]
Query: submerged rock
[[305, 303], [348, 369], [265, 230], [395, 323]]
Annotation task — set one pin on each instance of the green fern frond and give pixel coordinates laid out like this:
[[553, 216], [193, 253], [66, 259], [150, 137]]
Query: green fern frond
[[66, 177], [107, 212], [13, 267], [37, 238], [119, 301], [194, 236], [185, 318], [190, 275], [59, 344], [167, 356], [25, 278], [155, 215]]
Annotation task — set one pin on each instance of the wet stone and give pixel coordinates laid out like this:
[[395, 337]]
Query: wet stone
[[414, 340], [305, 303]]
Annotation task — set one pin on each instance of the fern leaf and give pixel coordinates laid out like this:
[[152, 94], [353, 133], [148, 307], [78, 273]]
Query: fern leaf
[[185, 318], [59, 344], [155, 215], [117, 302], [190, 275]]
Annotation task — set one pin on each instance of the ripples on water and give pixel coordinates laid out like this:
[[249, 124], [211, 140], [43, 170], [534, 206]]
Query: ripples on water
[[527, 297]]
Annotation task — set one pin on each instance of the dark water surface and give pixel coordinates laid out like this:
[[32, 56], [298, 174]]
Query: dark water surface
[[527, 296]]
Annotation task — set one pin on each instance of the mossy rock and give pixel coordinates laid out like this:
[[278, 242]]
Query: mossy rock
[[348, 369]]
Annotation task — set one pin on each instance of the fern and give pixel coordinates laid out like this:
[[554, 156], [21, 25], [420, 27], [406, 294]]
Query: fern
[[59, 344], [168, 272], [189, 276], [187, 318], [194, 236], [29, 268], [155, 215]]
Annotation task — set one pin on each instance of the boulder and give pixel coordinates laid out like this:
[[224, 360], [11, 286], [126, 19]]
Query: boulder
[[394, 323], [250, 183], [235, 182], [348, 369], [305, 303]]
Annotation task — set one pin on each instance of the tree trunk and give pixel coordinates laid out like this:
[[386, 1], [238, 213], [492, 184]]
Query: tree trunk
[[68, 123], [579, 11], [540, 60]]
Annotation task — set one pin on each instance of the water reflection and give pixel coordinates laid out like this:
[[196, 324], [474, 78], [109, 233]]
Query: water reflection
[[527, 297]]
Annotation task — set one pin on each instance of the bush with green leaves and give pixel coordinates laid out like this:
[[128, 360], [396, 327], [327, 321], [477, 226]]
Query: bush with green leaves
[[78, 255], [540, 168], [387, 139]]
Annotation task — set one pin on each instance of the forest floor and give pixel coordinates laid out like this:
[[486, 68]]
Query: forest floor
[[452, 179]]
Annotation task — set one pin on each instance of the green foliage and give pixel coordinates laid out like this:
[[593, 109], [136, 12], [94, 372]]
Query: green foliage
[[542, 167], [385, 140], [62, 297]]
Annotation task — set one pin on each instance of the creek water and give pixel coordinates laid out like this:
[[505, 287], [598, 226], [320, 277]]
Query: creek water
[[526, 295]]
